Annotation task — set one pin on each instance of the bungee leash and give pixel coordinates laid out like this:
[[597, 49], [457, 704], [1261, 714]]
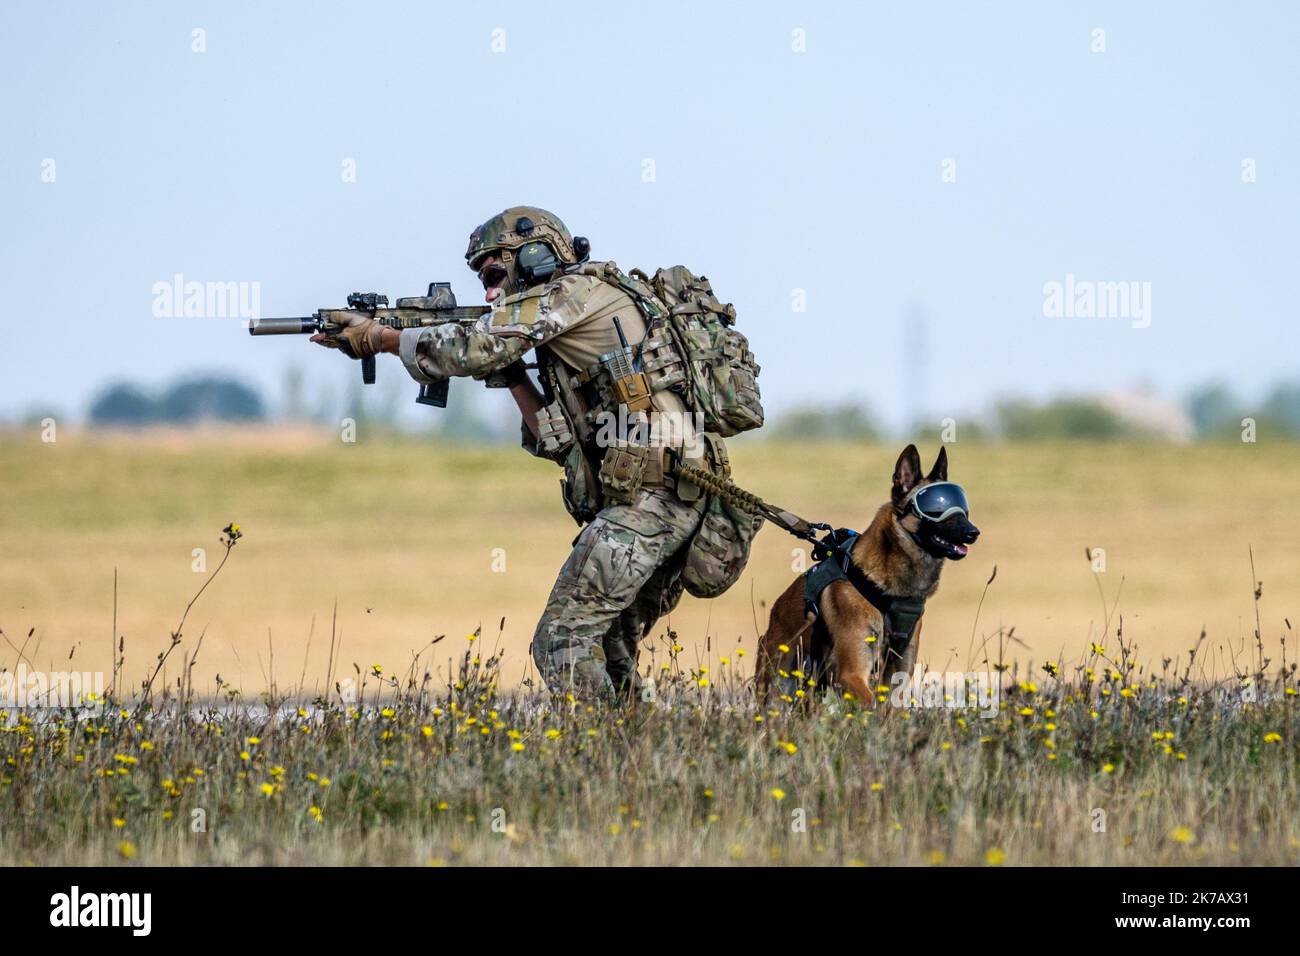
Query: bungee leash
[[900, 615], [730, 492]]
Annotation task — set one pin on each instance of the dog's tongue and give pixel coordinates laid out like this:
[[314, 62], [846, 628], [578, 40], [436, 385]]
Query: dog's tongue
[[960, 548]]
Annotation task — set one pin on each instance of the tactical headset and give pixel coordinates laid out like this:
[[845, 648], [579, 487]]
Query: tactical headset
[[535, 262]]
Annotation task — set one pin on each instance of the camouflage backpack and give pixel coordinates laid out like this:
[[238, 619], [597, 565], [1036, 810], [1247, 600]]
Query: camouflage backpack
[[693, 349], [721, 375]]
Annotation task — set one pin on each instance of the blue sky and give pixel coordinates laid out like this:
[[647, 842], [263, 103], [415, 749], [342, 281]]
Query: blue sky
[[775, 170]]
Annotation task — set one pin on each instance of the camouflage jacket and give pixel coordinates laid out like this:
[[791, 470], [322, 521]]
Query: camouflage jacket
[[572, 315], [567, 306]]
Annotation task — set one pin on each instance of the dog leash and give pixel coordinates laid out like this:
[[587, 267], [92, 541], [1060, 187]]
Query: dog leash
[[729, 491], [900, 615]]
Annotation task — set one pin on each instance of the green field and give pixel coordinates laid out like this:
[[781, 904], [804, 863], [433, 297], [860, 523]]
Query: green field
[[402, 536]]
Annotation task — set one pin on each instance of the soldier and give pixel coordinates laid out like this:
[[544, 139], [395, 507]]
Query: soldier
[[626, 567]]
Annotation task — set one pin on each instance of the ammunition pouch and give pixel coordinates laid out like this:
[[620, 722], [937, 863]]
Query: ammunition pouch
[[554, 437], [623, 471], [662, 360]]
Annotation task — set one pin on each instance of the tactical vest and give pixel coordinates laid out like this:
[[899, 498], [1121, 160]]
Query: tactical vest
[[600, 472], [581, 404]]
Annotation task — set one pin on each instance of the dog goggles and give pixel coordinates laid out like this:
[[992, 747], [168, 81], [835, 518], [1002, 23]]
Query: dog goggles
[[937, 501]]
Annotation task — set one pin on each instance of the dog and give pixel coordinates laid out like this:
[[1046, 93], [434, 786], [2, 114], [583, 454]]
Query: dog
[[845, 641]]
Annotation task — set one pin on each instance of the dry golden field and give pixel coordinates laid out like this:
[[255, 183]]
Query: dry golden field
[[1097, 761], [402, 534]]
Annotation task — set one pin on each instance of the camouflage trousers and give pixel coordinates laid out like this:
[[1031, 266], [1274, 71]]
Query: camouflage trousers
[[623, 574]]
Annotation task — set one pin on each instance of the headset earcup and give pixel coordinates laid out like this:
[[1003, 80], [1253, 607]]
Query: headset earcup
[[537, 262]]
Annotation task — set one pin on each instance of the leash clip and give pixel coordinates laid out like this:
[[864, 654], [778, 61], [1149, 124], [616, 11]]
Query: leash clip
[[832, 543]]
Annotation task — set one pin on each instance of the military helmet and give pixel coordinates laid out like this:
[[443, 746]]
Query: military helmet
[[515, 228]]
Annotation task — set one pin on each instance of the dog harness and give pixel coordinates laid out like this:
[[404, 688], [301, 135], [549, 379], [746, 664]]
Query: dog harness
[[832, 553], [836, 564]]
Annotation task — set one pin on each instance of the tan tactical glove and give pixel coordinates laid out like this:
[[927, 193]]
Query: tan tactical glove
[[360, 338]]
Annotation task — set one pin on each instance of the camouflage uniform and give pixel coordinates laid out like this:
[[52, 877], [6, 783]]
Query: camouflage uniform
[[648, 535], [624, 572]]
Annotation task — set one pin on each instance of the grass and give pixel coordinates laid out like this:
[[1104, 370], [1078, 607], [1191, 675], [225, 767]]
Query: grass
[[448, 754], [1108, 765]]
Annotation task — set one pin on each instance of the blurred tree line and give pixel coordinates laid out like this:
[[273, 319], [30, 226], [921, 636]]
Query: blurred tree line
[[208, 398], [1213, 410], [382, 408], [1217, 413]]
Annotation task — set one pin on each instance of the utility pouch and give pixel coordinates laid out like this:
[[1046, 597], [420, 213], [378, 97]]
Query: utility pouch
[[719, 550], [716, 461], [718, 454], [580, 488], [622, 472], [662, 360], [553, 433]]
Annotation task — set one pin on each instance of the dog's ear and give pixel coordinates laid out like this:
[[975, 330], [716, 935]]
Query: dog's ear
[[940, 470], [907, 472]]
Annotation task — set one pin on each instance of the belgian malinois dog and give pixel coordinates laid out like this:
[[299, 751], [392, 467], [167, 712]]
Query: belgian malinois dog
[[896, 561]]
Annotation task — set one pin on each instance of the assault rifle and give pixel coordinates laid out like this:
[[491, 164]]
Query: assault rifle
[[413, 312]]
